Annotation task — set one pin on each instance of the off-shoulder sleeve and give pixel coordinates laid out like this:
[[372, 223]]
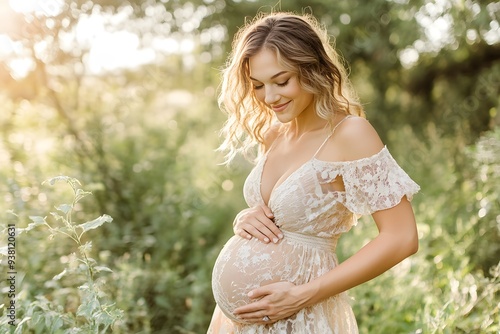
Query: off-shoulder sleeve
[[375, 183]]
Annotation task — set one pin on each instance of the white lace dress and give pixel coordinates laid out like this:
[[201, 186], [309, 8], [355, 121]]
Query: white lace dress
[[312, 217]]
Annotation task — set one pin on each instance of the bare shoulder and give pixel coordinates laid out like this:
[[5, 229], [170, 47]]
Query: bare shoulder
[[356, 138], [271, 135]]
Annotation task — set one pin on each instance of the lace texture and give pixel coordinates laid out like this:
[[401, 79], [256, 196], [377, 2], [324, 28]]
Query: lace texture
[[312, 216]]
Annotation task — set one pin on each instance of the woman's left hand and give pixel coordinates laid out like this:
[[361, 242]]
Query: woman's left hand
[[275, 300]]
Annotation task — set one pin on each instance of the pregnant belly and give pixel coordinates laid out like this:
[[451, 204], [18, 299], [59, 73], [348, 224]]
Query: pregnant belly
[[244, 265]]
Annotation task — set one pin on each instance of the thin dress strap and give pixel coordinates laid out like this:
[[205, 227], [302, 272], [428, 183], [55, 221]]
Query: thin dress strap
[[331, 134], [272, 144]]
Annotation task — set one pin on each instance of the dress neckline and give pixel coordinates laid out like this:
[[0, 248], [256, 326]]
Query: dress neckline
[[278, 184]]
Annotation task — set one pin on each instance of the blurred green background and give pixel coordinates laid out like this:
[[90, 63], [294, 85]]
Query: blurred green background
[[122, 96]]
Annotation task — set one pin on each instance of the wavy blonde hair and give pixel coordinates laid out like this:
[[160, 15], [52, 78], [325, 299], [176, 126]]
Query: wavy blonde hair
[[302, 46]]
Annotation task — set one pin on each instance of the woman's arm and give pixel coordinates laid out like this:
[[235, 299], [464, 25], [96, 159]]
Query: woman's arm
[[397, 239]]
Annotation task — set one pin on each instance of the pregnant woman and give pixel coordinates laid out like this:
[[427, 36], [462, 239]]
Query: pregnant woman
[[321, 166]]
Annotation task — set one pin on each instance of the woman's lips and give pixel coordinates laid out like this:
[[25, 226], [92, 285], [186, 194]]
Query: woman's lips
[[280, 107]]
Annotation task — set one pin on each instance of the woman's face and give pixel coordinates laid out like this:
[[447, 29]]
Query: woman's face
[[279, 88]]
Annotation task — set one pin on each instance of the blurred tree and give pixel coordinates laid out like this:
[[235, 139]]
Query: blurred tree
[[399, 51]]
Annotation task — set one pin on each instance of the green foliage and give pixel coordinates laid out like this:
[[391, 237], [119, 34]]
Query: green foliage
[[41, 312], [146, 161]]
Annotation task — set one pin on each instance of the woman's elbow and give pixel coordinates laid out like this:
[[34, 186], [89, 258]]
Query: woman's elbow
[[414, 246], [411, 245], [406, 243]]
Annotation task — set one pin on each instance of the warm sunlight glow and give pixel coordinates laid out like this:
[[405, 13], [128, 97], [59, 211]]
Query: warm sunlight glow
[[111, 50], [46, 7], [116, 50], [20, 67], [6, 46], [106, 47]]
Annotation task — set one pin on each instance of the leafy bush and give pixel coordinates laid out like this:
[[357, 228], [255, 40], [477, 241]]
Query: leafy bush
[[146, 161], [46, 310]]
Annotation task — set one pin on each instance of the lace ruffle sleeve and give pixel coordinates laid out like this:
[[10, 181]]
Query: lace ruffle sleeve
[[375, 183]]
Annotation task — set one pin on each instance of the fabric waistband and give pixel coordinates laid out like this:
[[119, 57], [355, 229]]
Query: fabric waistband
[[311, 240]]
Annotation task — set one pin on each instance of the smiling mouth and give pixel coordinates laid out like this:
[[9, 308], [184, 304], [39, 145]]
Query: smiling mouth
[[280, 107]]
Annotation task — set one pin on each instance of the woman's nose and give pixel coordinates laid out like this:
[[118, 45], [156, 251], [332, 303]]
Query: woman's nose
[[271, 95]]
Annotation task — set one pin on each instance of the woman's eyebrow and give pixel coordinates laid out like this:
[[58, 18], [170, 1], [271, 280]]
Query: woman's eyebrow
[[274, 76]]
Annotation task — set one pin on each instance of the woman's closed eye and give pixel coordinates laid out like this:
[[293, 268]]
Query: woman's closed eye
[[279, 84], [283, 84]]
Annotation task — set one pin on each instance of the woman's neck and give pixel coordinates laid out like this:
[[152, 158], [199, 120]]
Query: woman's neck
[[303, 125]]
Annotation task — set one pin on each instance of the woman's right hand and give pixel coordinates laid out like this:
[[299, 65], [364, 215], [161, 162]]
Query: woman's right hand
[[257, 222]]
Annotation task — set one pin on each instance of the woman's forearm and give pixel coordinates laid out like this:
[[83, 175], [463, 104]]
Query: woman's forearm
[[379, 255]]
